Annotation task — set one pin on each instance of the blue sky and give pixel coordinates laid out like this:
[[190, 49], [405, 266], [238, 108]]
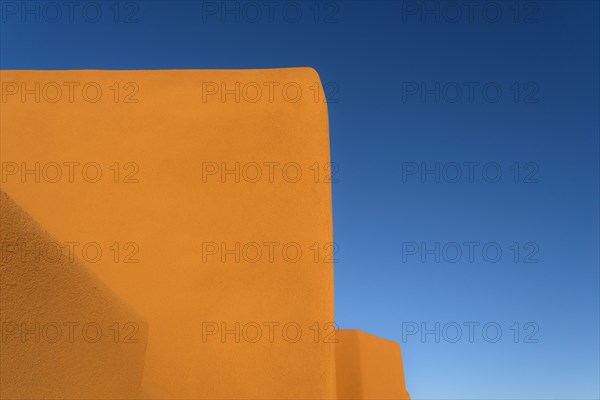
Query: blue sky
[[423, 92]]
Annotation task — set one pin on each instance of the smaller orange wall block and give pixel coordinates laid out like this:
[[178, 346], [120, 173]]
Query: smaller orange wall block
[[368, 367]]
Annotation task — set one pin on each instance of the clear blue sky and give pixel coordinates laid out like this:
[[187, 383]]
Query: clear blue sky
[[517, 93]]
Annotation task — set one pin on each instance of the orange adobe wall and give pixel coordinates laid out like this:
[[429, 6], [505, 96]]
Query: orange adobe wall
[[201, 199]]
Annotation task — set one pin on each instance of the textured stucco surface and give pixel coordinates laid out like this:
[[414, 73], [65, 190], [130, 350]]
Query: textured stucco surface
[[45, 363], [170, 212], [171, 209]]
